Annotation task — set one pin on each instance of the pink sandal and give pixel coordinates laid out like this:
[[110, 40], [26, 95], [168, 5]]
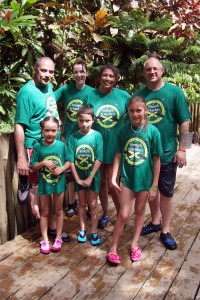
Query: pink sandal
[[135, 254], [113, 258]]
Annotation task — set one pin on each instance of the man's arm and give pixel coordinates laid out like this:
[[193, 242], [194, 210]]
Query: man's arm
[[22, 162], [180, 156], [156, 172]]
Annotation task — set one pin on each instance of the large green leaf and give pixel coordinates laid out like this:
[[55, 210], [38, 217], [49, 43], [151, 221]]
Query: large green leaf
[[27, 3], [15, 5], [19, 79]]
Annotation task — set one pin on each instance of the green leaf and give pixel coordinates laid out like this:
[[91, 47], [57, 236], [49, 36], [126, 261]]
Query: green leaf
[[15, 5], [20, 79], [15, 65], [24, 21], [180, 40], [2, 36], [24, 51], [39, 49], [27, 3], [14, 14], [117, 59], [2, 110]]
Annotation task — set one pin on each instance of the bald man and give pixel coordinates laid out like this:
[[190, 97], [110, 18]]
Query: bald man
[[35, 101]]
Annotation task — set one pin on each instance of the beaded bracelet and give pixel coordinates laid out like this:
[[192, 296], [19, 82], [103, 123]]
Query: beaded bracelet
[[182, 150], [91, 174], [63, 168], [154, 189]]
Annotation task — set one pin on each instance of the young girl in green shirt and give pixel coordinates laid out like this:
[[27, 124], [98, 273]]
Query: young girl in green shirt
[[85, 149], [50, 159], [138, 152]]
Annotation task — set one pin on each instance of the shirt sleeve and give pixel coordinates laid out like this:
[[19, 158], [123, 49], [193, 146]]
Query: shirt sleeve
[[99, 148], [156, 146], [86, 101], [65, 152], [119, 147], [71, 149], [35, 156], [60, 93], [23, 110], [181, 109]]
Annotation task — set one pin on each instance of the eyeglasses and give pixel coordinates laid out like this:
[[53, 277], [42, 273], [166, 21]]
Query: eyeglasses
[[153, 69]]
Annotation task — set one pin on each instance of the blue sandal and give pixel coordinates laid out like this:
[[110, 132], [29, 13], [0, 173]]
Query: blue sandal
[[82, 238], [103, 222], [168, 241], [95, 240]]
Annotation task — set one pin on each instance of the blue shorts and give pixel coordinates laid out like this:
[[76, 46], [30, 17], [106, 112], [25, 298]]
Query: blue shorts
[[167, 179]]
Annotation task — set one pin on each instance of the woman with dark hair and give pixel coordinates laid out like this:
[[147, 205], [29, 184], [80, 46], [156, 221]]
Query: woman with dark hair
[[109, 106]]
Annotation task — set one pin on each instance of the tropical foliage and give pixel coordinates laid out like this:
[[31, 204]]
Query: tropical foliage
[[116, 32]]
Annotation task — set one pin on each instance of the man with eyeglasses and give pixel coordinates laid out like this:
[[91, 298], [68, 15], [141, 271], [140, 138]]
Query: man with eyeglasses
[[168, 111]]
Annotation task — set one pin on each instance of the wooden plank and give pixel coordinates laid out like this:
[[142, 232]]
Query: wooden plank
[[77, 254], [25, 273], [59, 288], [52, 268], [198, 293], [106, 278], [167, 269], [94, 263], [8, 179], [80, 271], [17, 244], [187, 281], [3, 211], [133, 278], [158, 267], [182, 184]]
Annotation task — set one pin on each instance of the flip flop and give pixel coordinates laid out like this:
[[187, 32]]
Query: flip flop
[[113, 258]]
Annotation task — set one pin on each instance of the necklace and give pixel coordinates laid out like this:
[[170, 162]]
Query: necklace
[[138, 130]]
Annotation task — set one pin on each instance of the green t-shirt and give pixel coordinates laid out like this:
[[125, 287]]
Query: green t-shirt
[[167, 107], [83, 150], [72, 98], [48, 182], [33, 104], [137, 151], [109, 111]]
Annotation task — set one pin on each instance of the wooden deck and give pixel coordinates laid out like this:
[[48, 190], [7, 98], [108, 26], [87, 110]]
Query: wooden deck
[[80, 271]]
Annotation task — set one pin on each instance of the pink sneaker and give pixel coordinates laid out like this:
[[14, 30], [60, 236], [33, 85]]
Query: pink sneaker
[[44, 247], [136, 254], [57, 245]]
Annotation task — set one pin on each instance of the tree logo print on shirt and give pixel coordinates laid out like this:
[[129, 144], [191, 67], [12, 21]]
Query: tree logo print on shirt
[[156, 111], [107, 116], [51, 107], [47, 174], [72, 108], [135, 151], [84, 157]]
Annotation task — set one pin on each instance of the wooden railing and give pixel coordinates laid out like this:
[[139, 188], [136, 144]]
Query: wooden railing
[[16, 218], [195, 121]]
